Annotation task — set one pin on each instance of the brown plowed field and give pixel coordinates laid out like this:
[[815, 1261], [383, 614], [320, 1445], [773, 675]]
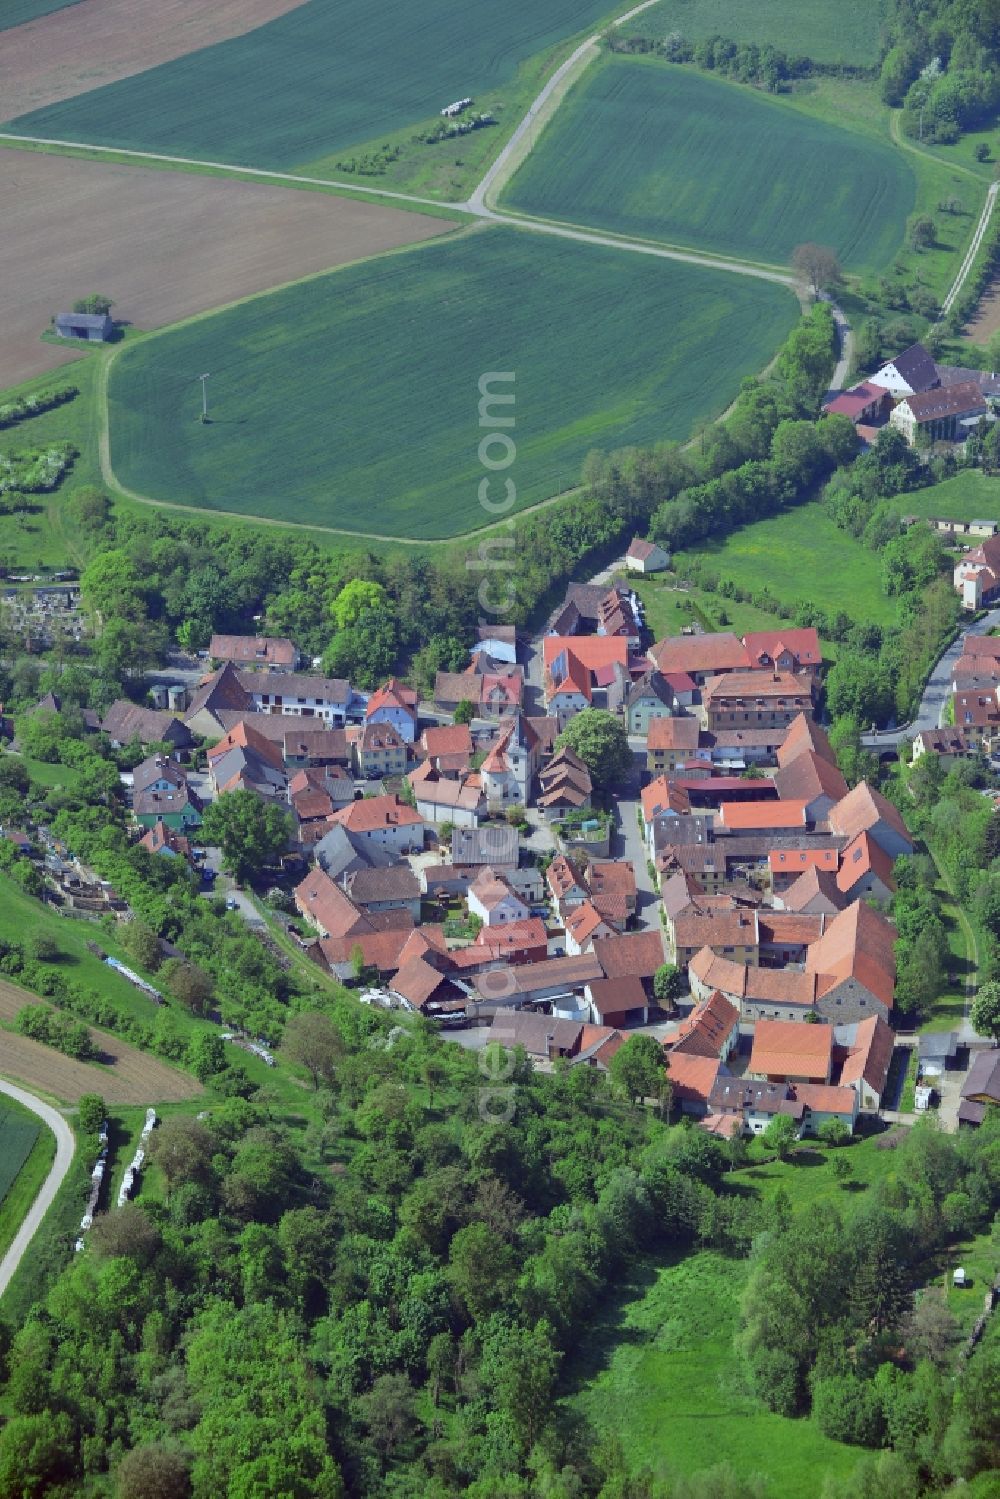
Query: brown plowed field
[[986, 319], [98, 41], [162, 244], [127, 1075]]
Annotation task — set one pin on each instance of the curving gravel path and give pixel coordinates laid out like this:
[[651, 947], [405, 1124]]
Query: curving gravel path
[[65, 1145]]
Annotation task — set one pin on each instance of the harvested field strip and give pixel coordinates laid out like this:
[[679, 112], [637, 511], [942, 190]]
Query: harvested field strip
[[845, 32], [84, 223], [19, 12], [72, 48], [315, 419], [126, 1075], [643, 148], [319, 79]]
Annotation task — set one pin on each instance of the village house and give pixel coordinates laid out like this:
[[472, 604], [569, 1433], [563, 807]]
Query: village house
[[645, 557], [673, 744], [392, 888], [259, 652], [813, 780], [910, 373], [395, 705], [711, 1029], [492, 899], [788, 650], [815, 892], [497, 844], [865, 1068], [126, 723], [648, 700], [787, 865], [618, 1002], [948, 414], [565, 785], [981, 1088], [384, 820], [379, 750], [176, 807], [587, 671], [755, 699], [315, 747], [977, 575], [297, 695], [442, 798], [584, 924], [448, 748], [948, 745]]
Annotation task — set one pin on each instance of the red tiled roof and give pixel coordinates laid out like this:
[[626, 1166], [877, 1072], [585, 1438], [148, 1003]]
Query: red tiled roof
[[673, 734], [861, 856], [857, 943], [802, 643], [789, 1048], [804, 734], [861, 809], [705, 1031], [871, 1054], [692, 1077], [747, 816], [377, 812], [700, 653]]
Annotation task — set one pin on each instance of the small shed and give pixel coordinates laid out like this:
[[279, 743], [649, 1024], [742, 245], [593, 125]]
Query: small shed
[[92, 327], [937, 1052], [646, 557]]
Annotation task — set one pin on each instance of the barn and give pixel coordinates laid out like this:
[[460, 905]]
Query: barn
[[92, 327]]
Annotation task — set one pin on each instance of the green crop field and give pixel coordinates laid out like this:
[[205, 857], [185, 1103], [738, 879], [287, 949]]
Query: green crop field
[[647, 149], [800, 555], [970, 495], [16, 12], [323, 77], [351, 401], [845, 32], [18, 1132], [658, 1364]]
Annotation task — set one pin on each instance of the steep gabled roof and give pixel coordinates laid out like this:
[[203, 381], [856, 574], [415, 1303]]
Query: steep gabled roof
[[870, 1055], [705, 1031], [804, 734], [862, 809], [858, 944], [221, 690]]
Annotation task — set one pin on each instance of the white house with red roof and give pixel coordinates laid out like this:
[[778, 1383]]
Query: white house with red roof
[[394, 704], [646, 557]]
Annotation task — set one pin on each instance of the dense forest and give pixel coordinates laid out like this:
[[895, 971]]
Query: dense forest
[[384, 1299]]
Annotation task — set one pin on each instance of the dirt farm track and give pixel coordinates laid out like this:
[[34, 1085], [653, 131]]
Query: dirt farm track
[[162, 245], [95, 42], [127, 1075]]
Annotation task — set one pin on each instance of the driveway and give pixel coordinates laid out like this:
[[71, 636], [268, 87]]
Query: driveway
[[65, 1145]]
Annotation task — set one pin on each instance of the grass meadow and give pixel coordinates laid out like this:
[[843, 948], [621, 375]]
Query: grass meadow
[[27, 1150], [798, 556], [644, 148], [669, 609], [969, 495], [351, 401], [658, 1365], [321, 78], [658, 1361], [847, 32]]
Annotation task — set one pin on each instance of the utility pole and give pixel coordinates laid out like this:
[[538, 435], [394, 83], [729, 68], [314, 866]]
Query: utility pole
[[204, 397]]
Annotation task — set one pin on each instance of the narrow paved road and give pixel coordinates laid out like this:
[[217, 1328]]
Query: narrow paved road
[[65, 1145], [937, 691]]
